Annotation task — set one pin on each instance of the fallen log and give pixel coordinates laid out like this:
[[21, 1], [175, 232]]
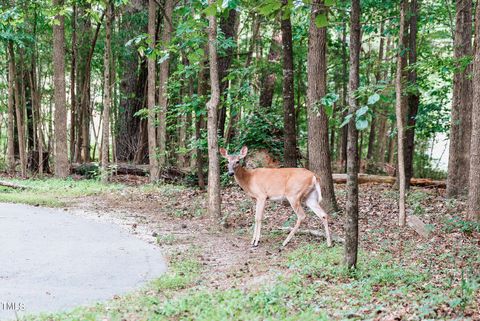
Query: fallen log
[[335, 238], [91, 169], [379, 179], [12, 185]]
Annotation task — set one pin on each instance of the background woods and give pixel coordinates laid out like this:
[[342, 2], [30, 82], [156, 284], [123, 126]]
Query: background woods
[[377, 87]]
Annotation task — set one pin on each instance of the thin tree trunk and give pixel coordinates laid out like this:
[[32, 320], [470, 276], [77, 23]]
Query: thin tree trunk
[[383, 121], [73, 71], [318, 149], [460, 130], [36, 102], [344, 129], [200, 125], [62, 167], [228, 26], [268, 84], [400, 108], [85, 97], [11, 115], [474, 184], [413, 98], [351, 224], [214, 200], [152, 141], [162, 91], [290, 139], [18, 113], [107, 91], [371, 139]]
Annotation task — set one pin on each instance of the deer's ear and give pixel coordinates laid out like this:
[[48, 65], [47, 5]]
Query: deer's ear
[[243, 151], [223, 152]]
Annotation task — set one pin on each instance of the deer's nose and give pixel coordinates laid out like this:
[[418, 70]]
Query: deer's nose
[[231, 173]]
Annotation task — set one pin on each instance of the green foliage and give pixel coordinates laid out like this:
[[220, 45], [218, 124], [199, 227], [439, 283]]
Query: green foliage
[[455, 224]]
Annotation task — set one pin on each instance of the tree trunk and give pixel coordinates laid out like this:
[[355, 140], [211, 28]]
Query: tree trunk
[[18, 113], [400, 108], [371, 140], [200, 125], [383, 120], [460, 131], [36, 102], [351, 224], [413, 98], [62, 168], [290, 139], [318, 149], [107, 91], [162, 91], [228, 26], [474, 184], [152, 137], [268, 84], [214, 200], [73, 71], [11, 115], [85, 97], [344, 129]]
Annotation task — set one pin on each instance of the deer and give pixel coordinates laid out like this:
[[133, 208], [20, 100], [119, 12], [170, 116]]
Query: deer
[[297, 185]]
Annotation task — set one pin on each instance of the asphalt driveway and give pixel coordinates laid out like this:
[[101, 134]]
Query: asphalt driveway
[[51, 260]]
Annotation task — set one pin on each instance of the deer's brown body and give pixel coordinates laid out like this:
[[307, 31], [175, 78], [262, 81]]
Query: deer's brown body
[[297, 185]]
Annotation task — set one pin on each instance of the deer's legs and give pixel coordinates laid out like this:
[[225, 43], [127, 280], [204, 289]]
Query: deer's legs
[[258, 221], [312, 202], [297, 207]]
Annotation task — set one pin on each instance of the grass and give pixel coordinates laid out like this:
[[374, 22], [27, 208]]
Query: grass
[[53, 192], [316, 287]]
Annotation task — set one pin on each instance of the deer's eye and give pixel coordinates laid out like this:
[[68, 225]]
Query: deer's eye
[[238, 162]]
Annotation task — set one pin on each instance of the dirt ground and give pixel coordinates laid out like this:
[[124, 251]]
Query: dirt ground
[[176, 219]]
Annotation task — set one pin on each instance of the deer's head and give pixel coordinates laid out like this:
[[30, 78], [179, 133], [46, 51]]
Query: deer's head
[[233, 160]]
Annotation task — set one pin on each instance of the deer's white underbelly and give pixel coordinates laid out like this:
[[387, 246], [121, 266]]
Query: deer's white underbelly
[[277, 198]]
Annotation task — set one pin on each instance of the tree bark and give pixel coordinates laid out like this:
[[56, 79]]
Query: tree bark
[[73, 72], [132, 90], [413, 98], [18, 113], [318, 148], [214, 200], [400, 108], [268, 84], [200, 125], [162, 91], [383, 121], [460, 130], [107, 91], [62, 167], [344, 129], [474, 183], [351, 223], [228, 27], [152, 137], [11, 115], [290, 139]]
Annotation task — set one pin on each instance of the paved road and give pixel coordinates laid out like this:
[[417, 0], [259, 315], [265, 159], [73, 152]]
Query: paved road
[[51, 260]]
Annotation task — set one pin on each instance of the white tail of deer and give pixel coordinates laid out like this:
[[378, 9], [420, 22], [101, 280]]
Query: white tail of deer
[[297, 185]]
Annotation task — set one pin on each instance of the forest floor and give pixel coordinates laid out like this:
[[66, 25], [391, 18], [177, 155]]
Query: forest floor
[[214, 274]]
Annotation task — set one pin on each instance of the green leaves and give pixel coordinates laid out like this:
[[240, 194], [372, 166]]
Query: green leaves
[[321, 20], [211, 10], [362, 113], [373, 99], [269, 7]]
